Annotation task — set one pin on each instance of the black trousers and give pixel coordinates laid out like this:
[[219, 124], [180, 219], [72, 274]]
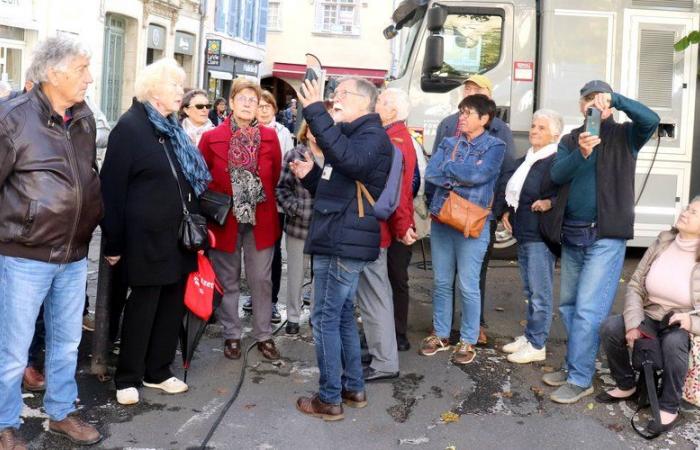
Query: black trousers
[[117, 297], [457, 318], [150, 330], [398, 259], [675, 344], [277, 263]]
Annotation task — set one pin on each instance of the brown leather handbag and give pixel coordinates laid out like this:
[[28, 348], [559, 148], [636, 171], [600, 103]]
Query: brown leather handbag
[[463, 215]]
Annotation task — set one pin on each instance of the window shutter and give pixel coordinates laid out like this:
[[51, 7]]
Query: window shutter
[[681, 4], [220, 16], [248, 20], [655, 87], [262, 22], [233, 17]]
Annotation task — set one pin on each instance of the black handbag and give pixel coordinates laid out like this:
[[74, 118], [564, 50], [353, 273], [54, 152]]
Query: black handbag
[[193, 233], [215, 206]]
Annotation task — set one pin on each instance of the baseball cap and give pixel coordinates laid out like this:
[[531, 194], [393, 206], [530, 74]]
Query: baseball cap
[[481, 81], [595, 86]]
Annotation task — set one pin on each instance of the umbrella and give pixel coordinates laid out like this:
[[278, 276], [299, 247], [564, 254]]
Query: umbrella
[[192, 331]]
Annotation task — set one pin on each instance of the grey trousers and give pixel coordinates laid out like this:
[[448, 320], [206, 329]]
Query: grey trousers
[[376, 304], [297, 262], [258, 266]]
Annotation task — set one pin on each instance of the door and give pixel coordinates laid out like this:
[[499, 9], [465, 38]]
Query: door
[[113, 70]]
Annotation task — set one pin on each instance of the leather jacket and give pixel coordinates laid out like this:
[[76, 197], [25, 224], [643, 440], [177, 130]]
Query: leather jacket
[[50, 198]]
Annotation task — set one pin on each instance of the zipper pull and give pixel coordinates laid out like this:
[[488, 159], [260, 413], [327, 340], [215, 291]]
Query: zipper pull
[[189, 197]]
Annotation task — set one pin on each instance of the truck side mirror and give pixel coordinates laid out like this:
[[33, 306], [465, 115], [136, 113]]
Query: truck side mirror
[[434, 54], [435, 19]]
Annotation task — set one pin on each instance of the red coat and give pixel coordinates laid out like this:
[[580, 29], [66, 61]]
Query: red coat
[[214, 146], [402, 219]]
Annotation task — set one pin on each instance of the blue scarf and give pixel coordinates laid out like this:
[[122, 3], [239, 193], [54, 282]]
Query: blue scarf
[[191, 161]]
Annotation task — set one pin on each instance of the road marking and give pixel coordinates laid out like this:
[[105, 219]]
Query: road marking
[[207, 411]]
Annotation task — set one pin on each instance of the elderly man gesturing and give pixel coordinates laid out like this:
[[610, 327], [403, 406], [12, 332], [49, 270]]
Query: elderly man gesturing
[[51, 203], [344, 235]]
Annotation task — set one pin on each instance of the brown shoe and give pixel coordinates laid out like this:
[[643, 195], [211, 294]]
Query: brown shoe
[[10, 440], [78, 431], [433, 344], [483, 339], [33, 380], [354, 399], [268, 350], [313, 406], [232, 348], [464, 353]]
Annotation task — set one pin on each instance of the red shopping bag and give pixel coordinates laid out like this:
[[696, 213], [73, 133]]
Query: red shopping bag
[[199, 293]]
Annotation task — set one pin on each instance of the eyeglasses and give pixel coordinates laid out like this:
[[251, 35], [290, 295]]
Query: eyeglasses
[[265, 107], [242, 99], [467, 112], [201, 106], [339, 95]]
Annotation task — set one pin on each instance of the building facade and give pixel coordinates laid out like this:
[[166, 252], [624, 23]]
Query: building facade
[[236, 30], [345, 35]]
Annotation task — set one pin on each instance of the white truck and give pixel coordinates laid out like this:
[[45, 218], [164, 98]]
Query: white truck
[[538, 55]]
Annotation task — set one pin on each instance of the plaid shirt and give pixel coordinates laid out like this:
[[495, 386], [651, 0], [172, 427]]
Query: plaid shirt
[[296, 202]]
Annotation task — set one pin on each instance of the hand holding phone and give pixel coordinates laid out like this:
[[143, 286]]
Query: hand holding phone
[[592, 123]]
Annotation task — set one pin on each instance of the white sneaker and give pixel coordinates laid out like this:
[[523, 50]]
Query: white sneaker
[[172, 386], [528, 354], [516, 345], [128, 396]]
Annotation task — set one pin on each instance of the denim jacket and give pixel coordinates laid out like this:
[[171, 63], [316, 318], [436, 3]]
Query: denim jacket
[[472, 174]]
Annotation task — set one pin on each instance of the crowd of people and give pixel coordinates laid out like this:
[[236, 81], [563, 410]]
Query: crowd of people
[[342, 201]]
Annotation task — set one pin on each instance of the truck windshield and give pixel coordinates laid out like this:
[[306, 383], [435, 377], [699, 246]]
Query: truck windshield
[[411, 37], [472, 44]]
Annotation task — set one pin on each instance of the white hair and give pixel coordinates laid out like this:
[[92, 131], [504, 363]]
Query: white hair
[[152, 78], [364, 87], [399, 100], [54, 53], [556, 122]]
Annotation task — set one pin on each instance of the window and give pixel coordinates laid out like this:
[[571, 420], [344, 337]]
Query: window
[[274, 18], [233, 23], [220, 16], [472, 44], [337, 17], [249, 21]]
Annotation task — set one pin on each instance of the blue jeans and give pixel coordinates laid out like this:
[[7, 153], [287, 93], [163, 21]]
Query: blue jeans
[[335, 331], [24, 286], [589, 279], [537, 271], [452, 254]]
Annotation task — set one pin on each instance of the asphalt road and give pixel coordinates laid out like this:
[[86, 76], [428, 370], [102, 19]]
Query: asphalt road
[[494, 404]]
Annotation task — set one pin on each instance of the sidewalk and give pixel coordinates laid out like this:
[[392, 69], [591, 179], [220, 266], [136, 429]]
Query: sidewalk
[[497, 404]]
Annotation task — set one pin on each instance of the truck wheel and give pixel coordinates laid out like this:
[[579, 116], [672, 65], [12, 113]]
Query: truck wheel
[[505, 246]]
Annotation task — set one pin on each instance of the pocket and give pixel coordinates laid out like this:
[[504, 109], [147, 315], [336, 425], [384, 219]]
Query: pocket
[[160, 243], [575, 236], [29, 219], [327, 223]]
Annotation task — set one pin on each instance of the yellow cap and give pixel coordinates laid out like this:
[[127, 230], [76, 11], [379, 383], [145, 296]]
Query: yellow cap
[[481, 81]]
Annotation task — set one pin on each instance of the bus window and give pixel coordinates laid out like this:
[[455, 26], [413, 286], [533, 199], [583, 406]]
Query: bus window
[[472, 44]]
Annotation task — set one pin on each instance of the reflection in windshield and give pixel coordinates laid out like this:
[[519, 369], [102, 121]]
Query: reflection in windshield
[[412, 28], [472, 44]]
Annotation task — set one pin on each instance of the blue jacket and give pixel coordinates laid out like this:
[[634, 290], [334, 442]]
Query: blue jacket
[[360, 150], [537, 186], [473, 172], [497, 128]]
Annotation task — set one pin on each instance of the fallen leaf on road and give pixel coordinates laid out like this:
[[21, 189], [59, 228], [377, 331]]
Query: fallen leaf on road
[[222, 391], [547, 369], [616, 427], [539, 392], [507, 394], [622, 280], [414, 441], [449, 417], [499, 309], [451, 447], [590, 406], [249, 406], [523, 323]]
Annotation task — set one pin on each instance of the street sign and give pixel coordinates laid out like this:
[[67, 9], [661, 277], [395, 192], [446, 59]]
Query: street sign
[[213, 52]]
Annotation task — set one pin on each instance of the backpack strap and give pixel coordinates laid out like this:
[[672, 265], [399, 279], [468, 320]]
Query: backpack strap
[[362, 191]]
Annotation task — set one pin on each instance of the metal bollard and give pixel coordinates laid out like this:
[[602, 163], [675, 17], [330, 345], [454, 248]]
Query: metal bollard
[[100, 338]]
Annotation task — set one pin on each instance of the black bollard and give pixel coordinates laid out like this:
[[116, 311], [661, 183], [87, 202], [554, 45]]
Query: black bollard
[[100, 338]]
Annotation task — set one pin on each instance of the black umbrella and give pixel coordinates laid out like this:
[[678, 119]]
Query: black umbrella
[[192, 331]]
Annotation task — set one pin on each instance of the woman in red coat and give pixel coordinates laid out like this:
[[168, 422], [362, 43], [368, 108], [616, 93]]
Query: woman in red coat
[[244, 159]]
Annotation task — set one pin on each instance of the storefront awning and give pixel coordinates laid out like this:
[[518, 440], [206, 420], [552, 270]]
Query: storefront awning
[[296, 71], [220, 75]]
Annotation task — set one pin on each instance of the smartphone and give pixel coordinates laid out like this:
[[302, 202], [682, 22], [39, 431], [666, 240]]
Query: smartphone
[[592, 124]]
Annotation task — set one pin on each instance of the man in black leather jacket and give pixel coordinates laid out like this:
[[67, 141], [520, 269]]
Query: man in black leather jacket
[[51, 203]]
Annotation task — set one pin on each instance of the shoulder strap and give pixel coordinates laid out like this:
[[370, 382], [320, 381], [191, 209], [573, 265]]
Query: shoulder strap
[[174, 172], [653, 403]]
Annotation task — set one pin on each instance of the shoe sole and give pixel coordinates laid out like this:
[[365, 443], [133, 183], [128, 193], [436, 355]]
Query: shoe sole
[[569, 401], [276, 320], [441, 349], [326, 417], [75, 441], [33, 389], [530, 360], [463, 363], [554, 383], [155, 386], [511, 351], [127, 403], [354, 404], [382, 378], [88, 328]]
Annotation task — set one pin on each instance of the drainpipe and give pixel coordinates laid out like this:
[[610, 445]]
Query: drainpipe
[[202, 44]]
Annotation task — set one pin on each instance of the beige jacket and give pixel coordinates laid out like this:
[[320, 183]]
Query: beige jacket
[[637, 303]]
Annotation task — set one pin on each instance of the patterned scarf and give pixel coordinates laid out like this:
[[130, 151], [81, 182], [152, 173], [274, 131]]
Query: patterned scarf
[[191, 161], [243, 168]]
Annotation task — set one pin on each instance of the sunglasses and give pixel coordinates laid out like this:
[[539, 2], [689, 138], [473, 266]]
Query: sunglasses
[[205, 106]]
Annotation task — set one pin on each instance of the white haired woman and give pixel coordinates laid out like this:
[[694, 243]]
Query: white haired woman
[[529, 193], [147, 150]]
